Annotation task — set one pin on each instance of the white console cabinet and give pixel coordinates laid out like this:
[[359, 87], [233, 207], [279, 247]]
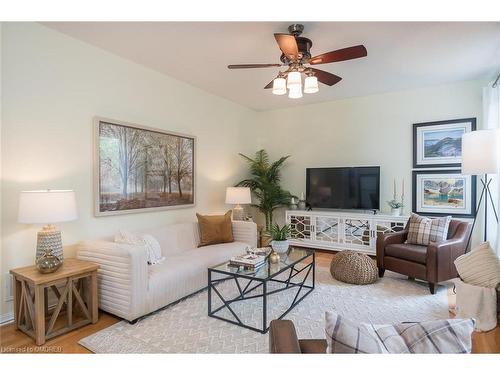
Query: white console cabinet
[[331, 230]]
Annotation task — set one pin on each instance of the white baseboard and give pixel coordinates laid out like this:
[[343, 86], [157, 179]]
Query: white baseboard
[[6, 318]]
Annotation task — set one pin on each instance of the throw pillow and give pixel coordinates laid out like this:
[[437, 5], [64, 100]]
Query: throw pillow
[[423, 230], [215, 229], [479, 267], [151, 244], [450, 336], [344, 336]]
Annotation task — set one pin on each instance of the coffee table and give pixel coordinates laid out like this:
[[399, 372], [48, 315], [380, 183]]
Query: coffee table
[[296, 269]]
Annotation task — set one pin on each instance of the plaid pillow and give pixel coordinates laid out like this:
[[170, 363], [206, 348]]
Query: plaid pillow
[[450, 336], [422, 230], [344, 336]]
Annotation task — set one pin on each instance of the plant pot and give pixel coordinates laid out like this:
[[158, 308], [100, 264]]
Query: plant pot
[[265, 240], [396, 211], [280, 246]]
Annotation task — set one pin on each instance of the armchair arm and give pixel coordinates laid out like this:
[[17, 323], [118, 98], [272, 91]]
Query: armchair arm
[[386, 239], [245, 231], [122, 276], [441, 257], [283, 338]]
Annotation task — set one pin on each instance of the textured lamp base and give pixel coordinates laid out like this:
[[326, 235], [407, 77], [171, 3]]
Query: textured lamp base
[[238, 213], [49, 241]]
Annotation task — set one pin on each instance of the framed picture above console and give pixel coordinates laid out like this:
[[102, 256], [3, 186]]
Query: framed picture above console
[[438, 144], [445, 192], [139, 169]]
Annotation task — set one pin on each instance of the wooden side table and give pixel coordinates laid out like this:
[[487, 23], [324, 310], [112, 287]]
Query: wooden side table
[[74, 285]]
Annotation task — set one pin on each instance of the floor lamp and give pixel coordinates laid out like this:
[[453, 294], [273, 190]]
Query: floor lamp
[[481, 156]]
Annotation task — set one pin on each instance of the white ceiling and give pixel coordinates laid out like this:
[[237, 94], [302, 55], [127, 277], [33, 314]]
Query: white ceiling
[[401, 55]]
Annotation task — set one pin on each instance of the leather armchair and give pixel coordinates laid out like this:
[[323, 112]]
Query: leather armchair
[[283, 340], [432, 263]]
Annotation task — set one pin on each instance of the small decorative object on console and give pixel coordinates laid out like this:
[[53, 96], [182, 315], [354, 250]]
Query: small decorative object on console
[[47, 207], [302, 202], [395, 205]]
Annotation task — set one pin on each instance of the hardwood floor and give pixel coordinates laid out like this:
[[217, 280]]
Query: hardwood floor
[[13, 341]]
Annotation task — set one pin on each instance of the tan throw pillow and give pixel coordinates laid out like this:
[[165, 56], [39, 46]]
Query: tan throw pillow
[[480, 267], [423, 230], [215, 229]]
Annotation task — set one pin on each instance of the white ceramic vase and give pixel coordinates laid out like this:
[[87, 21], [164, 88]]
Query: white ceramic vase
[[396, 211], [280, 246]]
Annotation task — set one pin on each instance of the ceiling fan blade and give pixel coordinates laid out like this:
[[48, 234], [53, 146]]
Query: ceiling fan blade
[[269, 85], [343, 54], [288, 45], [326, 77], [250, 66]]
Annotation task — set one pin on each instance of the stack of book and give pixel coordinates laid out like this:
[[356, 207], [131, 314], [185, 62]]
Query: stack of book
[[248, 261]]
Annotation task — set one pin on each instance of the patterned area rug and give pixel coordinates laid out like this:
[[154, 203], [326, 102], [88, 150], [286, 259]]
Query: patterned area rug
[[186, 328]]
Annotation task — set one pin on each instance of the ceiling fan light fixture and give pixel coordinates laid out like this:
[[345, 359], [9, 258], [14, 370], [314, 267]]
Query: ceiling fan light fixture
[[311, 85], [294, 79], [295, 92], [279, 86]]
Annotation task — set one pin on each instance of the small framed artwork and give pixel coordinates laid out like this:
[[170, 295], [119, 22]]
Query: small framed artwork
[[140, 169], [446, 192], [439, 144]]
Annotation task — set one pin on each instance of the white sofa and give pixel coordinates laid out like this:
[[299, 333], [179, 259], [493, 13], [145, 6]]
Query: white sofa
[[130, 288]]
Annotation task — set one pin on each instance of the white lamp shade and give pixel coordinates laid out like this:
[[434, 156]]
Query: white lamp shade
[[238, 195], [294, 79], [311, 85], [47, 206], [279, 86], [295, 92], [481, 152]]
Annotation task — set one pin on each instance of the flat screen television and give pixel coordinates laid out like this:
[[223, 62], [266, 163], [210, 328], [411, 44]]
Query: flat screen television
[[343, 188]]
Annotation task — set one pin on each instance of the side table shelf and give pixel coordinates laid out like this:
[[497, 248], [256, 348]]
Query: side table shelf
[[74, 286]]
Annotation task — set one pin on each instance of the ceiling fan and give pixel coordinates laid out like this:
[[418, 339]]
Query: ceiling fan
[[296, 56]]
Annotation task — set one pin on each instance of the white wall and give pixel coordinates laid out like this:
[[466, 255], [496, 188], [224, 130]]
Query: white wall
[[363, 131], [53, 85]]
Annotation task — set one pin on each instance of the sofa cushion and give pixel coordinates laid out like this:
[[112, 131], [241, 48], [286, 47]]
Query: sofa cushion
[[412, 253], [423, 230], [175, 238], [344, 336], [449, 336], [479, 267], [215, 229], [186, 272]]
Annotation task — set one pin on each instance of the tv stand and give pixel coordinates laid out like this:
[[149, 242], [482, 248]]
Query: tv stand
[[341, 230]]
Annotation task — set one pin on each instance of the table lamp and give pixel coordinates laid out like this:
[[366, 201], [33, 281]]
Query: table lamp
[[47, 207], [237, 196], [481, 156]]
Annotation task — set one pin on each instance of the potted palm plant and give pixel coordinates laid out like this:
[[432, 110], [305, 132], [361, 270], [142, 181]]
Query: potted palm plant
[[265, 185], [280, 237]]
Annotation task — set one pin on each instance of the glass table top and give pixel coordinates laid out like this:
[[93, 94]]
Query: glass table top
[[292, 257]]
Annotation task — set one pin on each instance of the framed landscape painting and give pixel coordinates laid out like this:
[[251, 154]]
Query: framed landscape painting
[[439, 144], [141, 169], [441, 193]]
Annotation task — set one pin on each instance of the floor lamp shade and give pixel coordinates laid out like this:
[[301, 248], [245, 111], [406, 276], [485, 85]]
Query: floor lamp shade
[[481, 152], [47, 207], [237, 196]]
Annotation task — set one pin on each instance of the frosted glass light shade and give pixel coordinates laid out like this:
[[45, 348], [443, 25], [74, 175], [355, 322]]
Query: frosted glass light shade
[[238, 195], [279, 86], [47, 206], [295, 92], [311, 85], [294, 79], [481, 152]]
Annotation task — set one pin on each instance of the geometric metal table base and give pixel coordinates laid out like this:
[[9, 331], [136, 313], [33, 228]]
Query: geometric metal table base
[[297, 277]]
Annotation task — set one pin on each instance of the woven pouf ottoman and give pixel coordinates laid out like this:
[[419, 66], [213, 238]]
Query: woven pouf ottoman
[[353, 268]]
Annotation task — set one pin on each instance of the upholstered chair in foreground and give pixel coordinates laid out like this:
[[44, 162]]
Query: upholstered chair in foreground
[[432, 263]]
